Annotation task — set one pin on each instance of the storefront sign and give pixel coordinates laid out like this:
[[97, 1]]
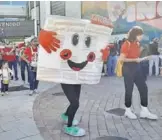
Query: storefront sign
[[16, 28], [100, 20], [10, 24]]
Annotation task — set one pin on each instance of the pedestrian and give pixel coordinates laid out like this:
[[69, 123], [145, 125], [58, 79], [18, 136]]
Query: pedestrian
[[17, 55], [6, 74], [112, 60], [23, 64], [9, 55], [1, 56], [72, 91], [31, 55], [144, 64], [132, 73], [153, 49]]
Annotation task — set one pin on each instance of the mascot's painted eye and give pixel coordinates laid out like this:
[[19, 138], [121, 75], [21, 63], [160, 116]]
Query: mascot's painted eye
[[65, 54], [91, 57], [88, 41], [75, 39]]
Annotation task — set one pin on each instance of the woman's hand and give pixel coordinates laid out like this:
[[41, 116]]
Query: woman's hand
[[48, 41], [138, 60]]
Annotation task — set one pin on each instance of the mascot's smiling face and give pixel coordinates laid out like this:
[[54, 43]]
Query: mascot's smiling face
[[78, 51]]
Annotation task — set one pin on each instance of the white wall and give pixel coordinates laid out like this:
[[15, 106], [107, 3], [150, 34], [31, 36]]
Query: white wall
[[12, 11], [32, 13], [73, 9], [44, 11]]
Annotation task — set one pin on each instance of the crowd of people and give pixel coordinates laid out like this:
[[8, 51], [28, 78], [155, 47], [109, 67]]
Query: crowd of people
[[151, 67], [23, 56]]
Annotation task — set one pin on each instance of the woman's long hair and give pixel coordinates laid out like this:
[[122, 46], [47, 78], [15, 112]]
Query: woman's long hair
[[134, 32]]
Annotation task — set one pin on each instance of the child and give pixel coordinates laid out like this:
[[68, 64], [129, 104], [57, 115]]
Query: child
[[5, 73]]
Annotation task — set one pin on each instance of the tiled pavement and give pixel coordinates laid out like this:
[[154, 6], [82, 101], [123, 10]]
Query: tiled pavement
[[16, 115], [95, 101]]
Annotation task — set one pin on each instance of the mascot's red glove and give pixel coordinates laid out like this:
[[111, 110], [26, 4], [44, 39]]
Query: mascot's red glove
[[48, 41], [105, 53]]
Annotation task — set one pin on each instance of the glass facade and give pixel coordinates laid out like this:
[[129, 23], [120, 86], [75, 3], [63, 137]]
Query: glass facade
[[58, 8]]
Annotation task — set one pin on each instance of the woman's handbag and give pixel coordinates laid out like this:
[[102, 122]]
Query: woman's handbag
[[119, 66], [118, 69]]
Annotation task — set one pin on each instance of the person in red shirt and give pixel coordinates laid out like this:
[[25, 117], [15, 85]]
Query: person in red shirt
[[112, 60], [9, 55], [132, 73], [23, 64], [30, 56], [1, 59]]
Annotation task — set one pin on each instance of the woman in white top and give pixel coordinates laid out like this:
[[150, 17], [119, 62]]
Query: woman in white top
[[6, 73]]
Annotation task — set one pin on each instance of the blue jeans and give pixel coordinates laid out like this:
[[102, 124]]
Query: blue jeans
[[17, 59], [33, 81], [111, 64], [14, 65], [4, 87], [23, 66], [1, 63]]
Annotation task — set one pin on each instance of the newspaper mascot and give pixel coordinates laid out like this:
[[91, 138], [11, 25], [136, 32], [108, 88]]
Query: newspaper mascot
[[49, 41]]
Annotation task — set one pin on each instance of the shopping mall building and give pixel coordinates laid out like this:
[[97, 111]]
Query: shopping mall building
[[14, 20], [124, 15]]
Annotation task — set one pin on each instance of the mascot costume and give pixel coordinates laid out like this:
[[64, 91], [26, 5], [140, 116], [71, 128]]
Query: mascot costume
[[51, 43]]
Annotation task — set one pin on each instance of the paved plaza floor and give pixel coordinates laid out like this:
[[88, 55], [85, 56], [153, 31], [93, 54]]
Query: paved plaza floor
[[96, 114], [16, 115], [101, 113]]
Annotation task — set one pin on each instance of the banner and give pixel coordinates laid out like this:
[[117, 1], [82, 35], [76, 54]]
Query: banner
[[78, 60], [126, 14]]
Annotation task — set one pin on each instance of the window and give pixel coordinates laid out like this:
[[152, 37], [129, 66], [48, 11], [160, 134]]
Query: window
[[32, 4], [21, 3], [4, 2], [58, 8]]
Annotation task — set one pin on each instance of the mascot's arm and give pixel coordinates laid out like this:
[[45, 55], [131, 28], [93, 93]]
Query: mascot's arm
[[48, 41]]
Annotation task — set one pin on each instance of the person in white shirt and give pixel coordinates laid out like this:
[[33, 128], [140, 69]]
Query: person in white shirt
[[5, 73], [153, 46]]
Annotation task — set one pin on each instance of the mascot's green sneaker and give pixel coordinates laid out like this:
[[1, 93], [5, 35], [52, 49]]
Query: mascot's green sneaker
[[74, 131], [65, 119]]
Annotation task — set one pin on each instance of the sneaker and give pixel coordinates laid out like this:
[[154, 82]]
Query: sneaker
[[130, 114], [74, 131], [16, 79], [6, 93], [146, 114], [23, 84], [36, 91], [2, 93], [65, 119], [31, 93]]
